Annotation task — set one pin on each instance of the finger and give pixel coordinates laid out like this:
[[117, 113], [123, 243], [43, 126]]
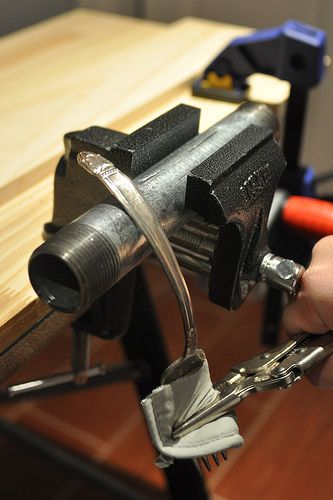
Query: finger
[[323, 250], [303, 316]]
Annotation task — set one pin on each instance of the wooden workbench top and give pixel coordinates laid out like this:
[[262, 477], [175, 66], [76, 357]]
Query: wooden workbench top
[[80, 69]]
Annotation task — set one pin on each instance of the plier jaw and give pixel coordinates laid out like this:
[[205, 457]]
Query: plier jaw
[[278, 368]]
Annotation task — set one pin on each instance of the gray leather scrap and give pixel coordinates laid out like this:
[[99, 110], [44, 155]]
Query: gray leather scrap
[[175, 402]]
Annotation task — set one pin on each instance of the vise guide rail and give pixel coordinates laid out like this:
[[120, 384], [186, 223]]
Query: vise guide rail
[[80, 69]]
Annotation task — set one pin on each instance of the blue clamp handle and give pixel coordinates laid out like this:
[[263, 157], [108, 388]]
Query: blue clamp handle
[[293, 51]]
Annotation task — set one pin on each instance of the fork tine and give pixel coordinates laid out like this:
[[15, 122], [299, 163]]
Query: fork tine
[[216, 458], [206, 463], [224, 454], [196, 463]]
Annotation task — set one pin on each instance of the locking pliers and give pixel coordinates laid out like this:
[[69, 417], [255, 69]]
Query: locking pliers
[[278, 368]]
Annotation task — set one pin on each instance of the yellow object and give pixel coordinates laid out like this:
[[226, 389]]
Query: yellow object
[[221, 82]]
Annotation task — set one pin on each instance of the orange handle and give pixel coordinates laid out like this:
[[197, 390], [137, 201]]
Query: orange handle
[[309, 214]]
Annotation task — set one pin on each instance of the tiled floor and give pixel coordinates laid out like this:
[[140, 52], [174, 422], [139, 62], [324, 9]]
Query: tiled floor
[[288, 451]]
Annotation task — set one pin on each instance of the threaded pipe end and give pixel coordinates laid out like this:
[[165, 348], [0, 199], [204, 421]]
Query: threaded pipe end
[[71, 281]]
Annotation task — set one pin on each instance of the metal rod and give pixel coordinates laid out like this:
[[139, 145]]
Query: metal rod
[[81, 343], [42, 384], [65, 382]]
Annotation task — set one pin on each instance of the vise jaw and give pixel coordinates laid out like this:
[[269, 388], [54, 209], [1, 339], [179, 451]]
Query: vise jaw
[[75, 191], [233, 189]]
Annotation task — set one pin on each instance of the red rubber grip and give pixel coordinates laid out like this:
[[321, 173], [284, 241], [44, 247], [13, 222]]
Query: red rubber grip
[[309, 214]]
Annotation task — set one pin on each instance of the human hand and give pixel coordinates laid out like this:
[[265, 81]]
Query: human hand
[[312, 310]]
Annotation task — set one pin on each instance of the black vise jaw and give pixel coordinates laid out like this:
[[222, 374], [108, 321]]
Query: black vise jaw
[[233, 189], [75, 191]]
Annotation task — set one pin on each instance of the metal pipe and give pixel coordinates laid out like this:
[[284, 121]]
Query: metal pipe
[[85, 258]]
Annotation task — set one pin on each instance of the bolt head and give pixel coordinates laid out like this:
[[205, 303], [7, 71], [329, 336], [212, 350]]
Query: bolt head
[[286, 269]]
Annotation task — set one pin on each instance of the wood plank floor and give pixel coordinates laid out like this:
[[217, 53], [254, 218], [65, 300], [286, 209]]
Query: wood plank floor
[[288, 451]]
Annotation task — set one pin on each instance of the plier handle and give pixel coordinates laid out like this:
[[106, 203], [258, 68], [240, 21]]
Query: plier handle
[[277, 368]]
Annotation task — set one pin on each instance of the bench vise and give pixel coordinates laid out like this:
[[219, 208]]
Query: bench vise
[[217, 186]]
